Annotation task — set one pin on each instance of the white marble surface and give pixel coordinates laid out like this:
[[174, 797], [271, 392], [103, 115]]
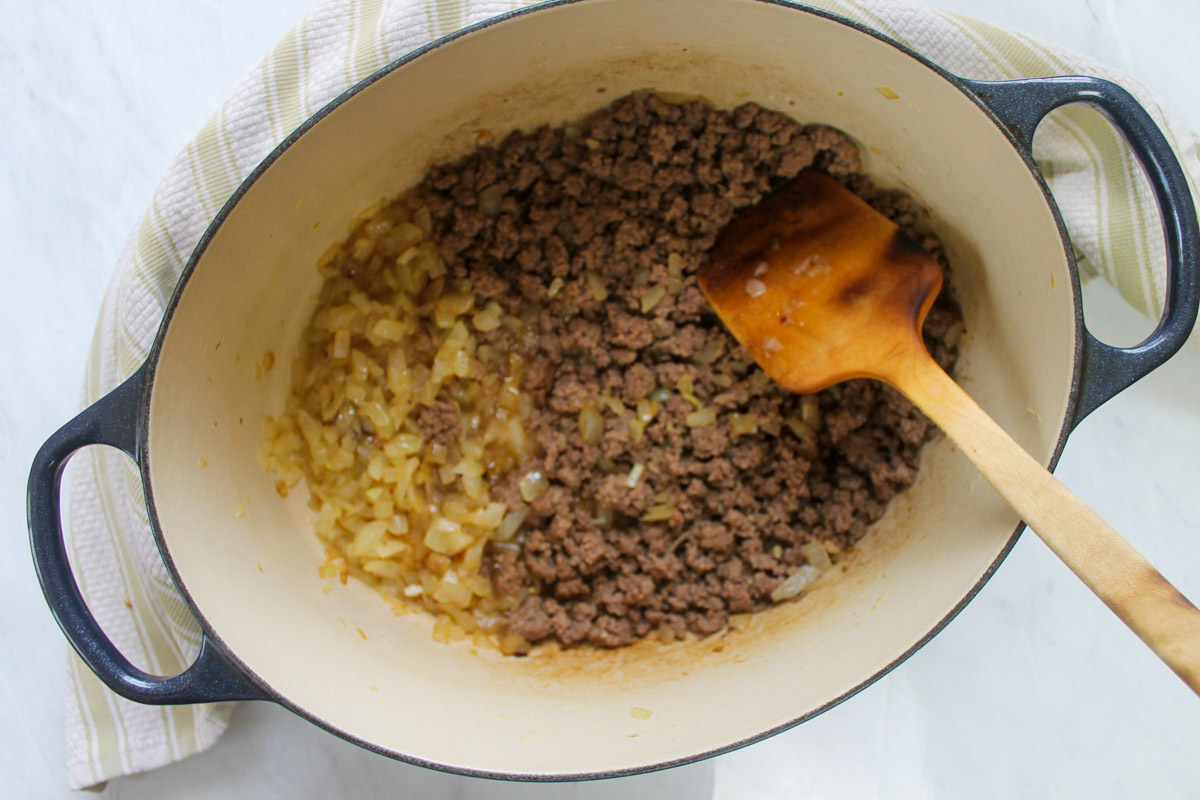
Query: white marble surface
[[1034, 691]]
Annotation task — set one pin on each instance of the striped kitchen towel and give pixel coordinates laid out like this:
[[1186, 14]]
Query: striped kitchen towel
[[1111, 216]]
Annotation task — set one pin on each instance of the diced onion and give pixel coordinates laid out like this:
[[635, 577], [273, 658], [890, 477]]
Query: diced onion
[[815, 554], [341, 344], [675, 265], [381, 568], [739, 622], [532, 484], [686, 386], [451, 591], [711, 351], [489, 517], [701, 417], [635, 475], [659, 513], [455, 304], [423, 219], [390, 547], [614, 405], [646, 409], [447, 537], [810, 413], [596, 286], [489, 318], [603, 517], [326, 519], [591, 425], [799, 428], [368, 536], [413, 517], [743, 424], [796, 583], [399, 238], [652, 296], [390, 330], [510, 525]]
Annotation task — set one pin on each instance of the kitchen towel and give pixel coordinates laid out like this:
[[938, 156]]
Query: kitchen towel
[[1112, 218]]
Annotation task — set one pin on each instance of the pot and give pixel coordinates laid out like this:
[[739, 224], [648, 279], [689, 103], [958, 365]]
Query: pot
[[344, 660]]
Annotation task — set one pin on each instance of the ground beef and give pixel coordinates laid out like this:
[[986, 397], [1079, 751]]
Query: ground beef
[[632, 200], [439, 422]]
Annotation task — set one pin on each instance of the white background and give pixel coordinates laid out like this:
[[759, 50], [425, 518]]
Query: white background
[[1034, 691]]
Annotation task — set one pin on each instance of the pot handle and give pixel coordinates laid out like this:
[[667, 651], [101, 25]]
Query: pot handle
[[112, 420], [1021, 105]]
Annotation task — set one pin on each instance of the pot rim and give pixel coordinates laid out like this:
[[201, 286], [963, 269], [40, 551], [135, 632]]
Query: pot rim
[[269, 693]]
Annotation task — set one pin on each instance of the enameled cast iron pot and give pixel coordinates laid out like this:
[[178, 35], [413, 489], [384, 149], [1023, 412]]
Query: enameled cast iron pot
[[961, 148]]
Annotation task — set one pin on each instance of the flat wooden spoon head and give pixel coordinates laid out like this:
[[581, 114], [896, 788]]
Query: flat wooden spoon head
[[819, 287]]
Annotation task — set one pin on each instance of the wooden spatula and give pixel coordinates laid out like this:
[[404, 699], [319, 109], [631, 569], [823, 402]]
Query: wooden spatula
[[819, 287]]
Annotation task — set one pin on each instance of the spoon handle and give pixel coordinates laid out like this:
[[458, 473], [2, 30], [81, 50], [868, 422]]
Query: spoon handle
[[1128, 584]]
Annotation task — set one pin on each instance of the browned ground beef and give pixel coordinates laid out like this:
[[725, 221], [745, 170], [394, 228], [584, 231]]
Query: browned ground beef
[[639, 181]]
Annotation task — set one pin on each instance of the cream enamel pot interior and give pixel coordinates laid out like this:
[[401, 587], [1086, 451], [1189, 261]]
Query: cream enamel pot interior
[[343, 660]]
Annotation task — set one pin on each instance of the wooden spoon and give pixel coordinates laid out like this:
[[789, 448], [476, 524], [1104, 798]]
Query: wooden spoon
[[819, 288]]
